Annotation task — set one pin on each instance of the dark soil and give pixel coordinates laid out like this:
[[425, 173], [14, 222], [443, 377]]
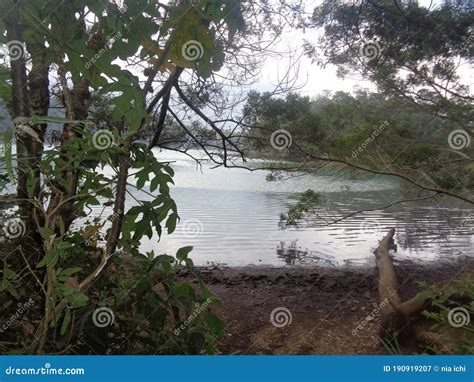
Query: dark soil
[[326, 305]]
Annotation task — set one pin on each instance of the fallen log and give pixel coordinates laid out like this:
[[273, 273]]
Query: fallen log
[[401, 321]]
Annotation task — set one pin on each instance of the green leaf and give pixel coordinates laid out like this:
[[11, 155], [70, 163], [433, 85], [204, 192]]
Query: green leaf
[[62, 228], [214, 322], [31, 182], [48, 259], [106, 193], [166, 265], [142, 177], [45, 232], [71, 271], [38, 120], [13, 292], [169, 170], [182, 253], [77, 299], [143, 287], [183, 290], [66, 321], [171, 223]]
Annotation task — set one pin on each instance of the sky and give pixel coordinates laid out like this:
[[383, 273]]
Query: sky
[[315, 80]]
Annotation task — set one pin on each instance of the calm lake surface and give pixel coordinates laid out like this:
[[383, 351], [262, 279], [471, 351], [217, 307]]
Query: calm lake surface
[[231, 217]]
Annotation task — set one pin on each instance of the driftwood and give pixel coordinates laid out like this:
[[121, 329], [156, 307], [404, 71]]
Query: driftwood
[[402, 321]]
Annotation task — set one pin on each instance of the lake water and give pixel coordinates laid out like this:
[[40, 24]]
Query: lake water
[[231, 217]]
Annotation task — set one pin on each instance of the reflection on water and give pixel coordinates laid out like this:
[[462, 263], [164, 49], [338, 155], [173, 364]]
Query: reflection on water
[[231, 216], [293, 254]]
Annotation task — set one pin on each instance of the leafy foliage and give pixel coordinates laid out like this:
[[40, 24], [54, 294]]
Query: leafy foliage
[[408, 50], [363, 128], [75, 261], [306, 202], [452, 311]]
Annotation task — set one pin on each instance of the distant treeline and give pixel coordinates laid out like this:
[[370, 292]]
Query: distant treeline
[[363, 127]]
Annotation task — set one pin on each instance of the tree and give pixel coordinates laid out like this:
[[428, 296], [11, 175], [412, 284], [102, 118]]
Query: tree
[[407, 50], [415, 56], [119, 69], [415, 70]]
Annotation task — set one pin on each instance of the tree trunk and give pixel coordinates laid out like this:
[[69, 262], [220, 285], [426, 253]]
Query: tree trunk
[[28, 149], [76, 108], [38, 90], [402, 321], [20, 106]]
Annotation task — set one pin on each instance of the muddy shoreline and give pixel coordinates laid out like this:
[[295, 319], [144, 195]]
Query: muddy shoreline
[[333, 310]]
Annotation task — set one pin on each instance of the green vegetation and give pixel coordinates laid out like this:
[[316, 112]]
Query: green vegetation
[[452, 305], [127, 73], [306, 202], [73, 266], [366, 129]]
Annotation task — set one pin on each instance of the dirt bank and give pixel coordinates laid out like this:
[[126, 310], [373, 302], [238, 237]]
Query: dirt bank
[[331, 309]]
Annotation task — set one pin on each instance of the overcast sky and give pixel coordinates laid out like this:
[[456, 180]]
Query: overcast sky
[[316, 79]]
